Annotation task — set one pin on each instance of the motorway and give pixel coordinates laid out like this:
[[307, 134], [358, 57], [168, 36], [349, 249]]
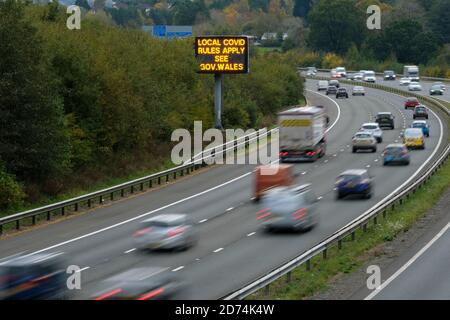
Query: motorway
[[232, 251]]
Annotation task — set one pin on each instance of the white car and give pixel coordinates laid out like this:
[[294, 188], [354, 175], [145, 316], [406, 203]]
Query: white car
[[341, 71], [369, 76], [414, 86], [358, 90], [441, 84], [405, 81], [374, 128]]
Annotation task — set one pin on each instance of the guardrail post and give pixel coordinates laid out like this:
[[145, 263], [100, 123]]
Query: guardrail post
[[132, 189], [384, 214], [375, 220], [89, 202], [112, 196], [288, 277], [353, 236], [182, 172], [175, 175], [364, 227], [122, 192], [150, 184], [308, 265], [63, 211], [324, 254], [1, 229], [167, 178], [17, 224], [142, 186], [33, 220], [159, 180], [267, 290], [49, 215], [75, 207], [100, 200], [339, 244]]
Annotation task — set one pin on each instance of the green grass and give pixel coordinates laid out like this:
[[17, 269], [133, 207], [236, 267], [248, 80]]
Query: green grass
[[355, 253]]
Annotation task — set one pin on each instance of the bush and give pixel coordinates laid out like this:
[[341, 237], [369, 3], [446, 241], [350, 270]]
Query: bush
[[11, 194], [332, 60]]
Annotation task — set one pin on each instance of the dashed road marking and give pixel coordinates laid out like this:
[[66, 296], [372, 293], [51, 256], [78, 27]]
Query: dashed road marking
[[250, 234], [218, 250], [178, 269], [131, 250]]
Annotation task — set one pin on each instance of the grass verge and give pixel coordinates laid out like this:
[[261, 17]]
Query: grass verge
[[353, 254]]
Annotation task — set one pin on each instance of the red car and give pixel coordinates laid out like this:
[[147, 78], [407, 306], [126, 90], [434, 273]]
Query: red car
[[411, 103]]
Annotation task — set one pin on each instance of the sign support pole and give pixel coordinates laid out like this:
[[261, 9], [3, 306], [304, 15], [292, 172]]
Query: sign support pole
[[218, 100]]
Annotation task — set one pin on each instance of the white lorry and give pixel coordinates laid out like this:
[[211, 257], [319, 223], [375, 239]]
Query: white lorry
[[302, 133], [411, 72]]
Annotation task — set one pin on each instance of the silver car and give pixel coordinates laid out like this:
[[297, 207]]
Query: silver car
[[364, 140], [288, 208], [374, 128], [405, 81], [322, 85], [165, 232], [414, 86], [358, 91], [145, 283]]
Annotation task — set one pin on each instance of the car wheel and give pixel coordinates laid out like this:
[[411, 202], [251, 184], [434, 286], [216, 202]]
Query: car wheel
[[385, 163], [338, 195], [368, 195], [407, 163], [354, 150], [374, 149]]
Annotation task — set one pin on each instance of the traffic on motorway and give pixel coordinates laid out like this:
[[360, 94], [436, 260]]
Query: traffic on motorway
[[296, 198]]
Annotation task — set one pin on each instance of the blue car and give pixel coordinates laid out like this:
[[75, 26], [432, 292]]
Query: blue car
[[396, 153], [354, 182], [422, 124]]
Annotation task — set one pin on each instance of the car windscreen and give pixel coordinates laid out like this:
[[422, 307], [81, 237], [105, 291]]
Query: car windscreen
[[394, 150], [389, 72], [421, 109], [162, 224], [413, 133], [370, 127], [348, 177], [436, 87], [385, 116]]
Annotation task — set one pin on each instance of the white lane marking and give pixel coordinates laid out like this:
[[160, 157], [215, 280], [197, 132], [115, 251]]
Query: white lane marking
[[376, 160], [204, 220], [250, 234], [218, 250], [131, 250], [325, 161], [368, 166], [230, 208], [304, 172], [319, 198], [83, 269], [407, 264], [178, 269], [176, 202]]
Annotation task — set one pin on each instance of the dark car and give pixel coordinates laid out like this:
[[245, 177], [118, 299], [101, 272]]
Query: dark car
[[334, 82], [331, 90], [341, 92], [420, 112], [389, 75], [396, 153], [354, 182], [385, 120], [436, 90], [145, 283], [33, 277], [411, 102]]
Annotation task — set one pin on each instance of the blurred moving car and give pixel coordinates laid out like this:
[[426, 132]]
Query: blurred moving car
[[411, 102], [396, 153], [271, 176], [405, 81], [334, 83], [358, 76], [311, 71], [389, 75], [334, 74], [341, 93], [385, 120], [436, 90], [341, 71], [288, 208], [369, 76], [414, 86], [29, 277], [422, 124], [322, 85], [358, 91], [374, 128], [331, 90], [354, 182], [171, 231], [420, 111], [351, 75], [147, 283], [414, 138], [364, 140]]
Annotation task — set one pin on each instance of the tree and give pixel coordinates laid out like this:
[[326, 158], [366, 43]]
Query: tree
[[83, 4], [302, 8], [335, 25], [439, 20], [33, 139]]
